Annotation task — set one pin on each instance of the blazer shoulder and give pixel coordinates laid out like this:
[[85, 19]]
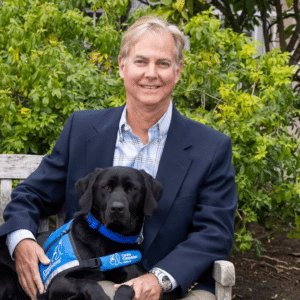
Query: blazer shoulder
[[196, 129], [94, 117], [95, 114]]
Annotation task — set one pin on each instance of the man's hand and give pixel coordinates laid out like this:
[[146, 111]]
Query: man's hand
[[145, 287], [27, 255]]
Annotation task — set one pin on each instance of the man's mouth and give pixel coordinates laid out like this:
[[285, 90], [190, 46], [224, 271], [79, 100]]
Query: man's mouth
[[150, 86]]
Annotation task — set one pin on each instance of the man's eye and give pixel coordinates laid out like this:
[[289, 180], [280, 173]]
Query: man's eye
[[107, 188], [139, 62], [163, 63]]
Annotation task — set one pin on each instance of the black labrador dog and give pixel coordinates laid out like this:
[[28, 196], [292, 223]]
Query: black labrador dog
[[105, 235]]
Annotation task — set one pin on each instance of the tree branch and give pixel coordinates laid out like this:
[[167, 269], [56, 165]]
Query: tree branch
[[265, 30], [243, 18], [226, 11], [294, 59], [280, 26], [296, 32]]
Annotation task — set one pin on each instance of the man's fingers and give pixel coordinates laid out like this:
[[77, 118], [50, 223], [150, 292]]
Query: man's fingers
[[146, 287], [27, 284], [28, 254], [42, 257], [130, 283]]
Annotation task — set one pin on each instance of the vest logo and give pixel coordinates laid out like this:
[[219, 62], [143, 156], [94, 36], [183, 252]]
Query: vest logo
[[115, 259], [57, 252], [55, 260]]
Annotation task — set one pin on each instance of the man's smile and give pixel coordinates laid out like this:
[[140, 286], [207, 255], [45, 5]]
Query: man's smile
[[150, 86]]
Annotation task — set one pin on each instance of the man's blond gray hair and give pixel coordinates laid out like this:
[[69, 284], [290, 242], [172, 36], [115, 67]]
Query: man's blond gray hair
[[150, 23]]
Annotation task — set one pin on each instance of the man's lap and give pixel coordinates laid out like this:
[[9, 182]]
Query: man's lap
[[109, 289]]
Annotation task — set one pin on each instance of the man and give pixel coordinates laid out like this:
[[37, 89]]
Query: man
[[193, 225]]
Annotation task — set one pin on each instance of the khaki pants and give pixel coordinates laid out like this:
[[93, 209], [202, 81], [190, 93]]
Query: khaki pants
[[109, 289]]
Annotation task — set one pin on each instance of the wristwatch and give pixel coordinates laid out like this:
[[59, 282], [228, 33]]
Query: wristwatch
[[163, 279]]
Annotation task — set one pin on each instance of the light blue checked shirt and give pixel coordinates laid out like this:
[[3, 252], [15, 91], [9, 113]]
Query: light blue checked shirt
[[129, 152]]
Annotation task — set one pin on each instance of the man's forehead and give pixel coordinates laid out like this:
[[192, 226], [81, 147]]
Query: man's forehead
[[151, 43]]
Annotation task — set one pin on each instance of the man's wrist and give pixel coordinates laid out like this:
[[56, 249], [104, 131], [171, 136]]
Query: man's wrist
[[15, 237], [163, 279]]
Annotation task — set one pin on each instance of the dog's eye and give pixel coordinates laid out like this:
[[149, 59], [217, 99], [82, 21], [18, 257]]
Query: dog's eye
[[131, 189], [107, 188]]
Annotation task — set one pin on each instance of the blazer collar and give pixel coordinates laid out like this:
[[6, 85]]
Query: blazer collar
[[173, 167], [101, 147]]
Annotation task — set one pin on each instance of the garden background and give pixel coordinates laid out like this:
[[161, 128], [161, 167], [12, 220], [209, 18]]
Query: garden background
[[54, 59]]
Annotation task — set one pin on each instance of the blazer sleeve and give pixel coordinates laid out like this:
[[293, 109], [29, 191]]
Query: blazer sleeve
[[211, 233], [43, 192]]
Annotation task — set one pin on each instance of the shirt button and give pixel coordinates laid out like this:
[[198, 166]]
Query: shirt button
[[126, 127]]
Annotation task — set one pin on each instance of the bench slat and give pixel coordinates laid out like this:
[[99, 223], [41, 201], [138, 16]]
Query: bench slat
[[17, 166], [6, 190], [60, 217], [44, 225]]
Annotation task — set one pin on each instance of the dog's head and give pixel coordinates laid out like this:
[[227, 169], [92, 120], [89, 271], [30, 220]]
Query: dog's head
[[119, 197]]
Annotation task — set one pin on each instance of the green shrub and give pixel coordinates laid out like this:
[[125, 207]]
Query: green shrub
[[46, 72], [252, 101], [53, 60]]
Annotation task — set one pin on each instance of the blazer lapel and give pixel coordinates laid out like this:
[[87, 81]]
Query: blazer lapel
[[173, 167], [101, 147]]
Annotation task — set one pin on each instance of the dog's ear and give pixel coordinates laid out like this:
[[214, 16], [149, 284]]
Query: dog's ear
[[84, 190], [153, 193]]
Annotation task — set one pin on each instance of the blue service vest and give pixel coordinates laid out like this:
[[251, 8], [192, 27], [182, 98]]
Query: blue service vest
[[59, 248]]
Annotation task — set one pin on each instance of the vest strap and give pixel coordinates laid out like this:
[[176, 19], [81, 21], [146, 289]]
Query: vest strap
[[113, 261]]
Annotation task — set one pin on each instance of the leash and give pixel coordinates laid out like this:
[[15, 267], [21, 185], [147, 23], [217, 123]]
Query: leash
[[61, 250]]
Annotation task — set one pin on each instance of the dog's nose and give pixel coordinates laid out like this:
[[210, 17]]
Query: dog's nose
[[117, 207]]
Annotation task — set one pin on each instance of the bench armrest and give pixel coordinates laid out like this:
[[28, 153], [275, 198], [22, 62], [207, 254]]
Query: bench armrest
[[224, 275]]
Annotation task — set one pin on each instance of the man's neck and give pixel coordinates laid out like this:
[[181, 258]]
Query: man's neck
[[141, 119]]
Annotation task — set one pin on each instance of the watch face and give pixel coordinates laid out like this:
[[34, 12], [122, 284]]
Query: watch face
[[167, 285]]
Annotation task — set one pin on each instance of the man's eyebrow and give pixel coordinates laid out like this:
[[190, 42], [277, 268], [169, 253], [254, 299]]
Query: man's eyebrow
[[140, 56], [164, 59], [146, 58]]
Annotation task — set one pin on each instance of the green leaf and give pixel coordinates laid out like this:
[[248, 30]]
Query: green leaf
[[45, 101], [298, 161], [56, 93], [180, 5]]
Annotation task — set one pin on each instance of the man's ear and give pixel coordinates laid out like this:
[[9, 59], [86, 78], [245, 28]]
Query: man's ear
[[121, 66], [153, 193], [84, 190]]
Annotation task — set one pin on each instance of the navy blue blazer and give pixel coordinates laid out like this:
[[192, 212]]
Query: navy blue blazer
[[194, 223]]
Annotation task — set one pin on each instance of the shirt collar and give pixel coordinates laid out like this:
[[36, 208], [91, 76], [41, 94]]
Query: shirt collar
[[162, 125]]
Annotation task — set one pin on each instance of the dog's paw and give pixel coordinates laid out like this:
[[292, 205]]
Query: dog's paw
[[124, 292]]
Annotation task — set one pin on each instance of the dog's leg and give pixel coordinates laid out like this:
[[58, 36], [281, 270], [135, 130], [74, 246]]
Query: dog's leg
[[124, 292], [10, 289], [74, 288]]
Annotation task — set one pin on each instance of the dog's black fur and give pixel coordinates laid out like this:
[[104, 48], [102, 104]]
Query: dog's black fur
[[119, 197]]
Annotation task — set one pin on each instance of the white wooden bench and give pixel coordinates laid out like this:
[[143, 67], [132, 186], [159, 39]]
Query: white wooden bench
[[19, 167]]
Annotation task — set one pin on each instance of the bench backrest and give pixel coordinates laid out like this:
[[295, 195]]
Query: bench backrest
[[19, 167]]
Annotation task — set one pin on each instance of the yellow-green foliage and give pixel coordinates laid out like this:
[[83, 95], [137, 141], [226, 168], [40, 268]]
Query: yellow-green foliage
[[53, 60], [252, 101]]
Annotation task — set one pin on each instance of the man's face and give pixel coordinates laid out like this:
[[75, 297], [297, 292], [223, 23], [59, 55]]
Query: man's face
[[149, 72]]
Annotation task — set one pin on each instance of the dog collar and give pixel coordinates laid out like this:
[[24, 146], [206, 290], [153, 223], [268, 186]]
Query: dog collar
[[95, 224]]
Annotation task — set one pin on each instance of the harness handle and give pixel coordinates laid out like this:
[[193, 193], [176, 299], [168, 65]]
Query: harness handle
[[91, 263]]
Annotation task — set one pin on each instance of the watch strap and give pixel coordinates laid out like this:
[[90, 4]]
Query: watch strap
[[163, 279]]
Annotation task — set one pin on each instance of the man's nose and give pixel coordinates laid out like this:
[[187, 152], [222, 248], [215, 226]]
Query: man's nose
[[151, 71]]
